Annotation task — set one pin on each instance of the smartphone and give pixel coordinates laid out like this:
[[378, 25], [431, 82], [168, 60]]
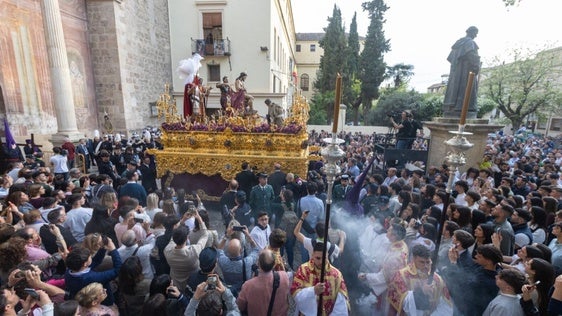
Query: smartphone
[[211, 283], [307, 211], [238, 228], [31, 292], [104, 240], [139, 220]]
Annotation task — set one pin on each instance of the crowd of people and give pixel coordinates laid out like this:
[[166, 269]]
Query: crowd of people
[[113, 242]]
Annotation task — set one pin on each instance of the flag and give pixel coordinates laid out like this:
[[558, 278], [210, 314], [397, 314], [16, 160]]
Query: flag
[[10, 141]]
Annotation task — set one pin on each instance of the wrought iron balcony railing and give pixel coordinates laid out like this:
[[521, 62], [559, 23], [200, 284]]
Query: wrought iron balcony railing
[[211, 47]]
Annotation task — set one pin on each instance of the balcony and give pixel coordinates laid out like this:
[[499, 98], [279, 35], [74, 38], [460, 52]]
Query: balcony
[[215, 47]]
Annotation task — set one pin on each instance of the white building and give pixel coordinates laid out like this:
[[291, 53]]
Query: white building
[[307, 56], [252, 36]]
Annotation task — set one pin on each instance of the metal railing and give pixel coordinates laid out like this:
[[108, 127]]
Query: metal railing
[[211, 47]]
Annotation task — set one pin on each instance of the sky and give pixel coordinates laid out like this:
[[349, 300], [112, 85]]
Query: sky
[[421, 32]]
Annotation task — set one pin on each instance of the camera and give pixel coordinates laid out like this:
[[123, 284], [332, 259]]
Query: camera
[[211, 283], [396, 115], [417, 224]]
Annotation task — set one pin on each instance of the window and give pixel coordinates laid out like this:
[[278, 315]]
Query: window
[[212, 31], [312, 47], [304, 82], [298, 48], [214, 72]]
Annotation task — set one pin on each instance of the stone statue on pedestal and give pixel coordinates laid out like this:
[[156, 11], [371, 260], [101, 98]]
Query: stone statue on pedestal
[[464, 58]]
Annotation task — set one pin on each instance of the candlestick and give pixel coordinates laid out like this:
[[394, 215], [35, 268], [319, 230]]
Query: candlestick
[[337, 102], [466, 100]]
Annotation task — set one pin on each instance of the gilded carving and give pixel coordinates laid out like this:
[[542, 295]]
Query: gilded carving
[[226, 141]]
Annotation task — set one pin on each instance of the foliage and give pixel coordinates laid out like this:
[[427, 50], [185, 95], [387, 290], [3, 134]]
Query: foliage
[[318, 104], [400, 74], [333, 60], [351, 91], [372, 65], [509, 3], [424, 107], [485, 106], [524, 85], [353, 49]]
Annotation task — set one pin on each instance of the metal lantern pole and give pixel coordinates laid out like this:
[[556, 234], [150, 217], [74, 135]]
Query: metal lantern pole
[[332, 153], [455, 158]]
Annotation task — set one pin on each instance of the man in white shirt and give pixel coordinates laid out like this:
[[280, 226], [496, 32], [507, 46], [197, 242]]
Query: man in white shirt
[[59, 162], [260, 233], [391, 176], [78, 216], [130, 246], [461, 187]]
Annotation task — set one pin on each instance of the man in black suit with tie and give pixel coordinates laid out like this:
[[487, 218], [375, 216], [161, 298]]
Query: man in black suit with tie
[[246, 179], [82, 149], [277, 179]]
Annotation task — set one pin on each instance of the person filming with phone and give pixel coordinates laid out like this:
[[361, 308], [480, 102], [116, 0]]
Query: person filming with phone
[[209, 297]]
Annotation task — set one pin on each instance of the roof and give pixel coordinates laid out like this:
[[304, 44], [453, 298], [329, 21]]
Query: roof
[[310, 36], [316, 37]]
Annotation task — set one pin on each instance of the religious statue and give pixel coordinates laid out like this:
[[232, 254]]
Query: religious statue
[[188, 69], [274, 113], [226, 91], [464, 59], [241, 100]]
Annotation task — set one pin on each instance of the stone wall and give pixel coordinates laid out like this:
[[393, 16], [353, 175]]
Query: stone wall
[[25, 82], [131, 57]]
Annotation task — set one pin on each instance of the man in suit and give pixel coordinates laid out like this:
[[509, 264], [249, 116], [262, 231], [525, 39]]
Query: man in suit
[[148, 171], [261, 196], [246, 178], [277, 179], [82, 149]]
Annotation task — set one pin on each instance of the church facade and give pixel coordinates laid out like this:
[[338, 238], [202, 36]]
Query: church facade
[[117, 56]]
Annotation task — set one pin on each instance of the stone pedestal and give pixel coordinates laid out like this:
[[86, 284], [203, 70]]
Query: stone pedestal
[[58, 138], [440, 127]]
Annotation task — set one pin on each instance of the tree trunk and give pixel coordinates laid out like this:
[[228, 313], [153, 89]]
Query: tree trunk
[[516, 123]]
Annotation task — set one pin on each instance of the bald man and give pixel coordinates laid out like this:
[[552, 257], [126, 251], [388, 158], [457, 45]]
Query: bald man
[[235, 267], [130, 246], [257, 290]]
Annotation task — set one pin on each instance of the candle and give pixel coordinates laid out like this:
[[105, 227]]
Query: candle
[[466, 100], [337, 102]]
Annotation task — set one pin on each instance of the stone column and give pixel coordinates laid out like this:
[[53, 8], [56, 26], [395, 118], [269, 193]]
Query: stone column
[[440, 128], [59, 71]]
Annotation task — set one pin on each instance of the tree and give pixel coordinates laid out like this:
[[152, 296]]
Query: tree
[[523, 86], [424, 107], [509, 3], [333, 60], [351, 90], [400, 74], [372, 65], [317, 113], [353, 48]]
